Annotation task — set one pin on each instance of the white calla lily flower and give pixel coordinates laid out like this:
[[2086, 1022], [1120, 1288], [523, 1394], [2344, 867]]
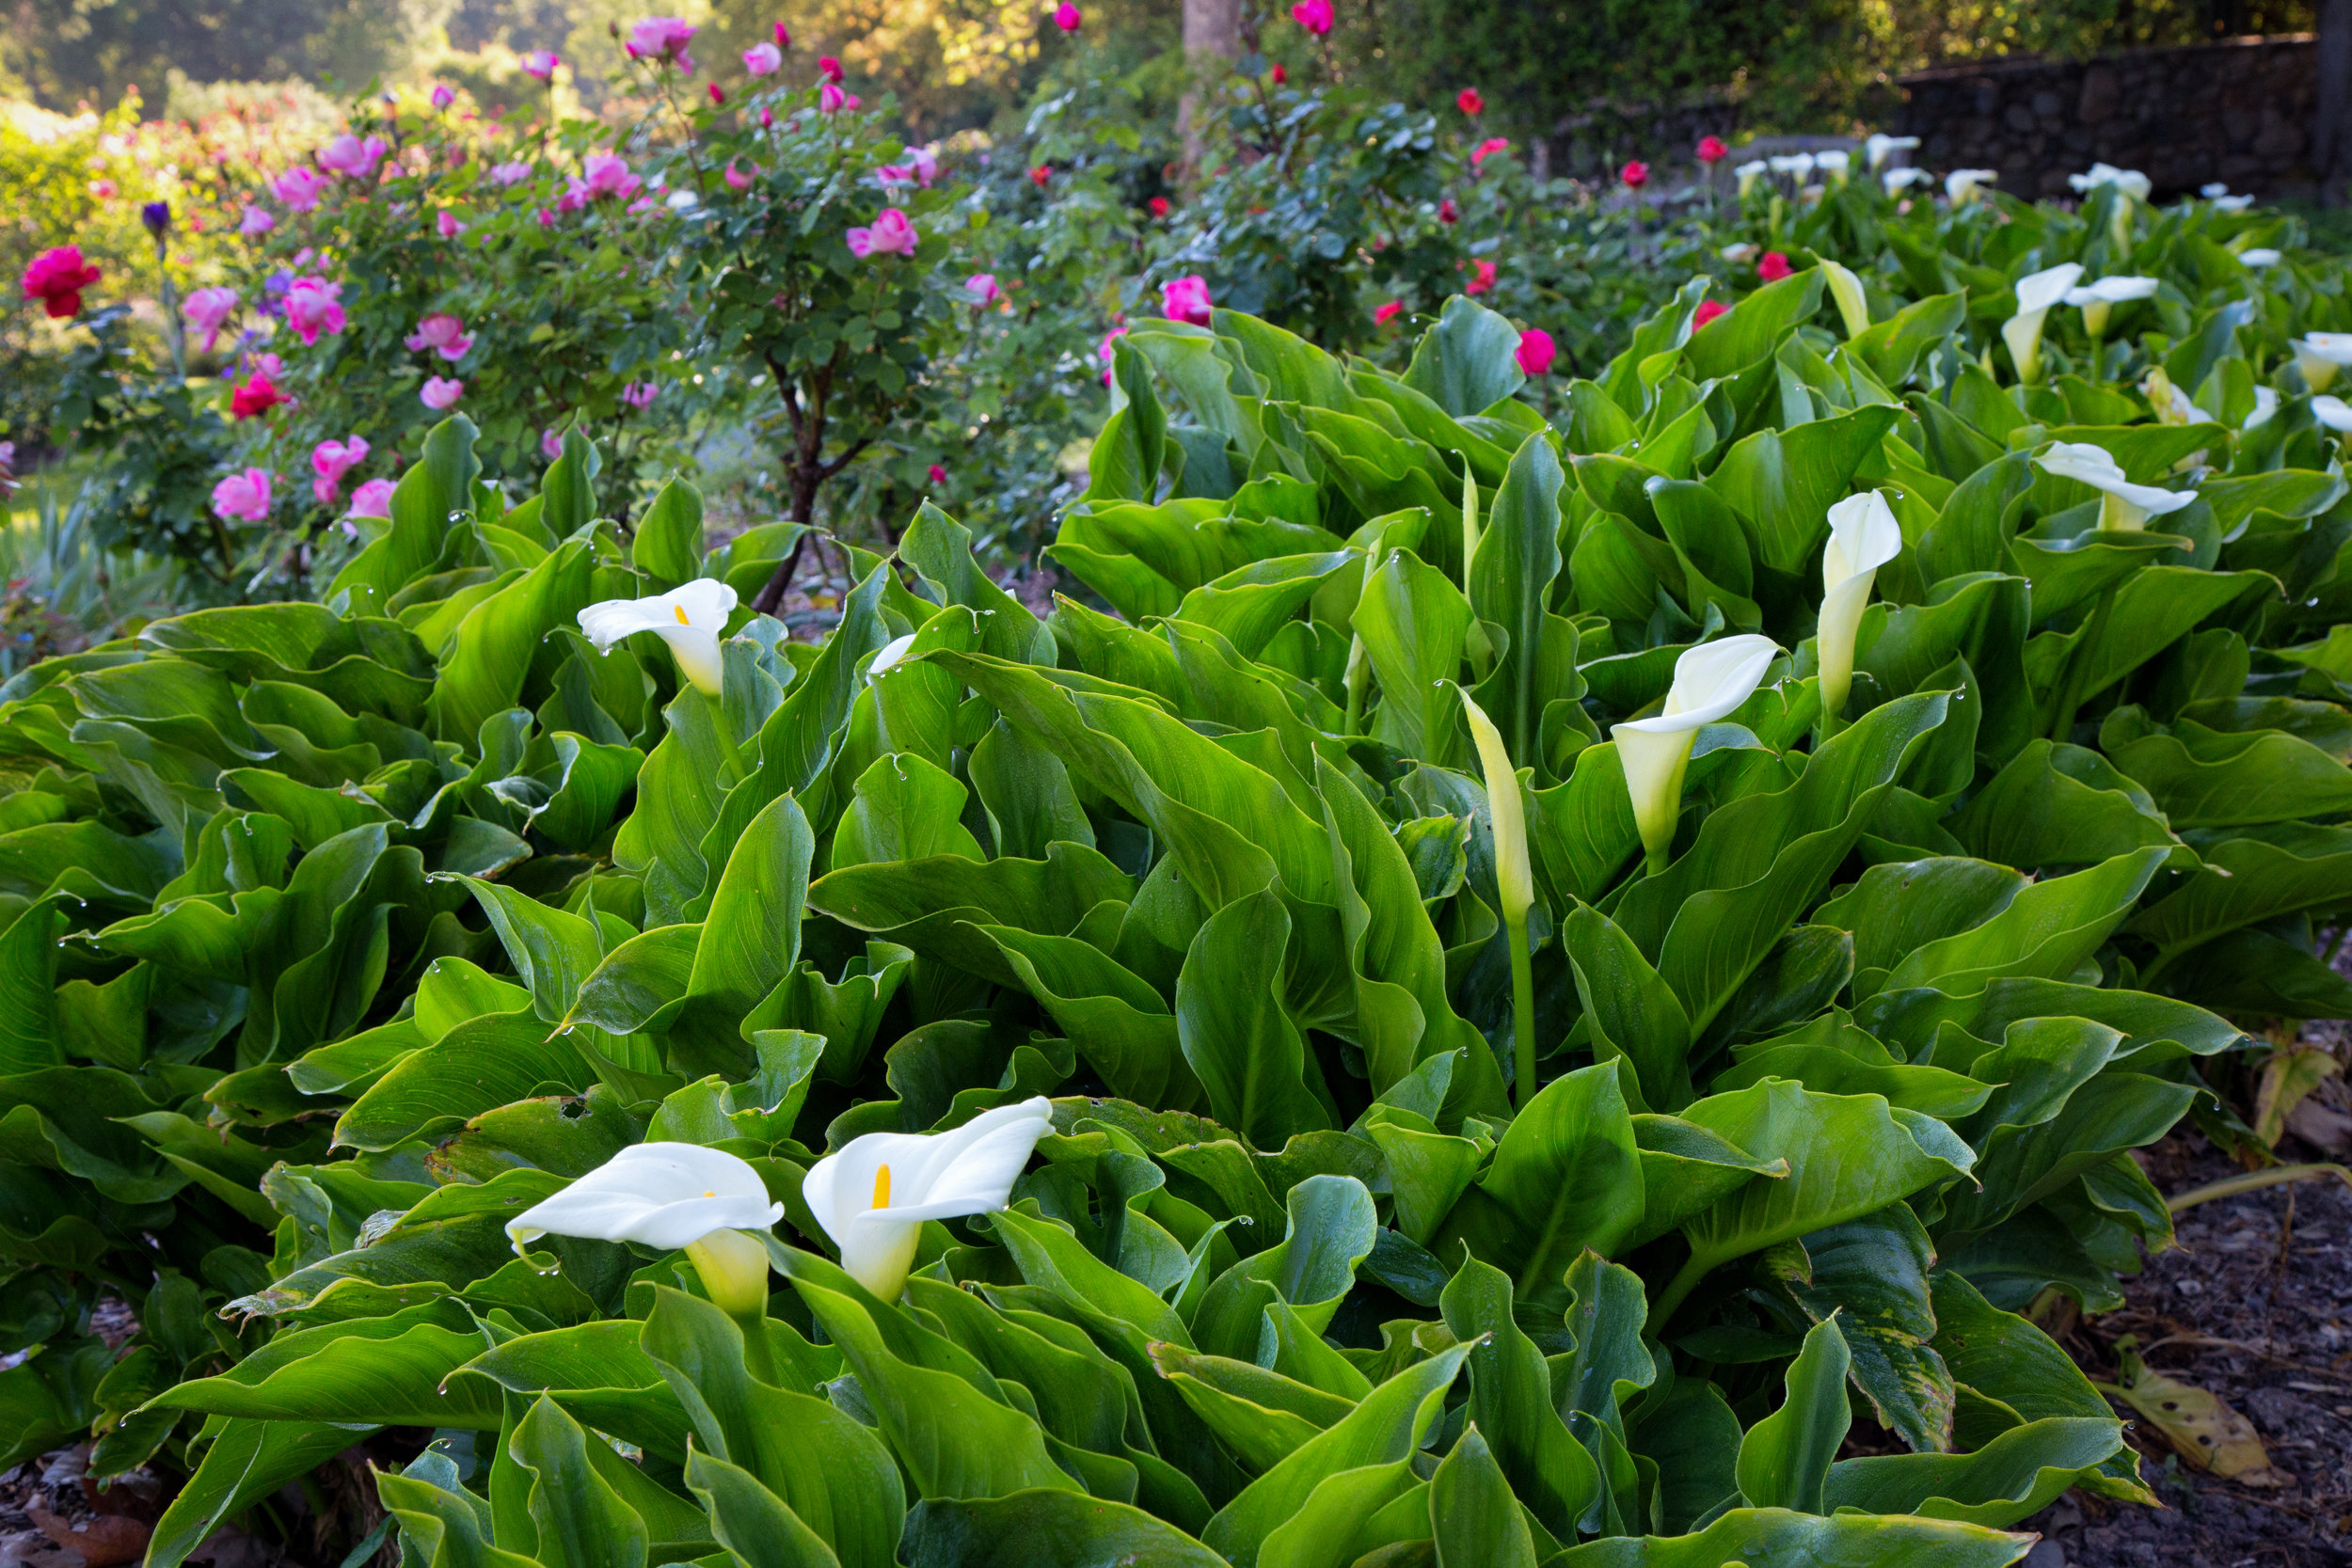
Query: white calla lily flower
[[1853, 306], [1798, 164], [1961, 184], [1749, 173], [2036, 294], [1833, 163], [1710, 680], [873, 1195], [2333, 412], [1863, 537], [2231, 203], [2170, 404], [670, 1196], [2212, 190], [2097, 299], [2265, 404], [1897, 180], [2125, 507], [1879, 147], [2129, 181], [891, 652], [1514, 885], [688, 618], [2320, 355], [2261, 256]]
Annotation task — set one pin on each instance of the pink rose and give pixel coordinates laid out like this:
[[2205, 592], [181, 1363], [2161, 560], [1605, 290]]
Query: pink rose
[[1066, 17], [1313, 15], [762, 59], [448, 225], [1487, 148], [1536, 351], [606, 174], [891, 234], [1481, 279], [547, 219], [980, 288], [255, 222], [939, 475], [830, 69], [1187, 299], [1712, 150], [663, 38], [372, 499], [1635, 174], [299, 189], [639, 394], [442, 333], [438, 394], [310, 309], [1383, 314], [541, 63], [351, 157], [551, 444], [443, 95], [832, 100], [1103, 351], [1709, 309], [509, 174], [243, 498], [330, 461], [206, 309], [736, 179]]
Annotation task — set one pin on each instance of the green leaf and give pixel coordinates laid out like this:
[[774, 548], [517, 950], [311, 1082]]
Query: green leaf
[[1332, 1225], [581, 1522], [755, 1525], [1633, 1013], [1385, 1429], [1512, 1401], [1474, 1515], [1414, 623], [245, 1461], [2011, 1478], [669, 544], [1775, 1538], [1232, 1028], [1784, 1458], [1469, 361], [1045, 1530]]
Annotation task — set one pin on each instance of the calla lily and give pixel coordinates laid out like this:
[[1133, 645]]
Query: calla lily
[[1876, 148], [688, 618], [1797, 163], [1709, 681], [2333, 412], [2129, 181], [874, 1194], [2171, 404], [2265, 404], [1853, 307], [2320, 355], [1749, 173], [2036, 292], [1897, 180], [1833, 163], [2261, 256], [671, 1195], [2125, 507], [1514, 882], [2096, 300], [1863, 537], [891, 652], [1961, 184]]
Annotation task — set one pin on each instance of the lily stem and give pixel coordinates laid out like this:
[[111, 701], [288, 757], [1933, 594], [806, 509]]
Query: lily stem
[[1522, 1011], [758, 1358]]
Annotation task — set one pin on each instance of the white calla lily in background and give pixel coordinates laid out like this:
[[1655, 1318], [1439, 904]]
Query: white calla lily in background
[[891, 652], [688, 618], [1863, 537], [2168, 402], [1710, 680], [1897, 180], [2096, 300], [1961, 183], [2320, 355], [2265, 404], [2124, 507], [2036, 294], [1515, 884], [1853, 306], [1749, 173], [1879, 147], [1833, 163], [2260, 255], [671, 1195], [1797, 163], [2333, 412], [874, 1194], [2129, 181]]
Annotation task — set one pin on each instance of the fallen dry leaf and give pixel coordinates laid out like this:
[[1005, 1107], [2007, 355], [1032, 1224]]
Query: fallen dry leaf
[[2197, 1422], [103, 1541]]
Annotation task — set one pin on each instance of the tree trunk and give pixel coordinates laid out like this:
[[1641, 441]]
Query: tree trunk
[[2331, 159], [1213, 34]]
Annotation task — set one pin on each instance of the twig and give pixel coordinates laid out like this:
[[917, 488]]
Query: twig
[[2236, 1186]]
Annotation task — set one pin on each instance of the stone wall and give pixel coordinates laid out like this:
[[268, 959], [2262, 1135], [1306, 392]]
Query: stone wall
[[2239, 111]]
